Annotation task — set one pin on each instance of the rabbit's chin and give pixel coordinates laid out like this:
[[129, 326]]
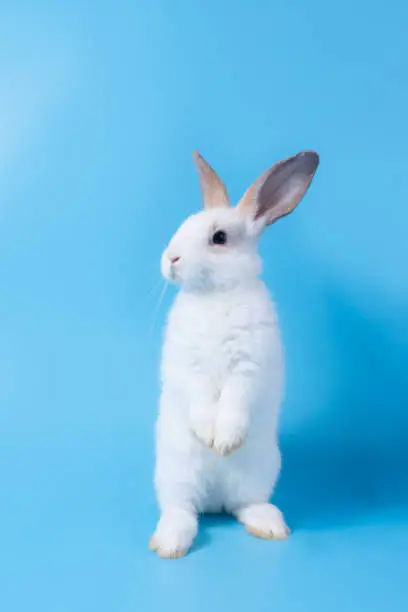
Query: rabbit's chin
[[207, 280]]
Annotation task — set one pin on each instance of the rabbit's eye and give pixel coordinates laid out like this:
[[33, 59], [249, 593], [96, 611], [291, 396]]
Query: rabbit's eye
[[219, 237]]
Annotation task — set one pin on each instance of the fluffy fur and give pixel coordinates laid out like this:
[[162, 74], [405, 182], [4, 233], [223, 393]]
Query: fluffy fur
[[222, 372]]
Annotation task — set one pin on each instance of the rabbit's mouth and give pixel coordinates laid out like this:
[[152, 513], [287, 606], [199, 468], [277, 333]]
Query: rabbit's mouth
[[174, 275]]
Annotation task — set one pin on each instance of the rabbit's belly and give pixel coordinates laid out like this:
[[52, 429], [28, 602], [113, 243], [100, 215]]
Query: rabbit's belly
[[186, 469], [247, 476]]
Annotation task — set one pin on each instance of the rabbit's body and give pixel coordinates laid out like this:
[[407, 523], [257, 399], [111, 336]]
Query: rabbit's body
[[219, 339], [222, 370]]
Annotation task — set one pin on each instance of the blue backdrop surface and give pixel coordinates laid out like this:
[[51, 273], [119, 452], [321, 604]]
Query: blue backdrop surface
[[101, 105]]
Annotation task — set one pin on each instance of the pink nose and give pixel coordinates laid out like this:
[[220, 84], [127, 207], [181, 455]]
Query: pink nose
[[174, 259]]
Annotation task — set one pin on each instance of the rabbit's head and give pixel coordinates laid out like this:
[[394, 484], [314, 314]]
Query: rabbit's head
[[217, 247]]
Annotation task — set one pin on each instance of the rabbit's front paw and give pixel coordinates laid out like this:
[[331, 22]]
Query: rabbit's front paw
[[203, 426], [230, 434]]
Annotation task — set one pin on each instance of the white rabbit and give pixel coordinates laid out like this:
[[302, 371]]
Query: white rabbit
[[222, 367]]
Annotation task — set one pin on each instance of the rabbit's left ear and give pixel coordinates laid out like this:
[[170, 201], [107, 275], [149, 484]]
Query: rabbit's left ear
[[213, 190], [280, 189]]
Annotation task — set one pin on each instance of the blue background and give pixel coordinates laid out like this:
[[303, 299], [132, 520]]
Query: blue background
[[101, 105]]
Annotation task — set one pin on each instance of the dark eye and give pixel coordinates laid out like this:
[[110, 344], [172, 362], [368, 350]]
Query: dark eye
[[219, 237]]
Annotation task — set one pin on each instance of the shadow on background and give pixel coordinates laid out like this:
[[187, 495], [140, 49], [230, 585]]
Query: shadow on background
[[352, 463]]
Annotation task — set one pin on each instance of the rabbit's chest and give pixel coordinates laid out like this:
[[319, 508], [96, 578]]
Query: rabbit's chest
[[210, 337]]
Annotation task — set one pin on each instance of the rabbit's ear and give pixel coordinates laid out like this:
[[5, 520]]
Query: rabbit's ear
[[213, 189], [279, 190]]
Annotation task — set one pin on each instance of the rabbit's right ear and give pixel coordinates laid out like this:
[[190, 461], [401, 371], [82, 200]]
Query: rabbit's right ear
[[279, 190], [213, 189]]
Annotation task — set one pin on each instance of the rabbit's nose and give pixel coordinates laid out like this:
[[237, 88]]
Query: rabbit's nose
[[174, 259]]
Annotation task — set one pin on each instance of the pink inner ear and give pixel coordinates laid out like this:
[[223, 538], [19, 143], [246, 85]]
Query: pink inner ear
[[280, 189]]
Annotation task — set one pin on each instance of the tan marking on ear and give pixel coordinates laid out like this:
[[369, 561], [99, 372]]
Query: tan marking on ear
[[213, 190], [247, 203]]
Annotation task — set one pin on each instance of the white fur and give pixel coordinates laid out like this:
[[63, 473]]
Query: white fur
[[222, 379]]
